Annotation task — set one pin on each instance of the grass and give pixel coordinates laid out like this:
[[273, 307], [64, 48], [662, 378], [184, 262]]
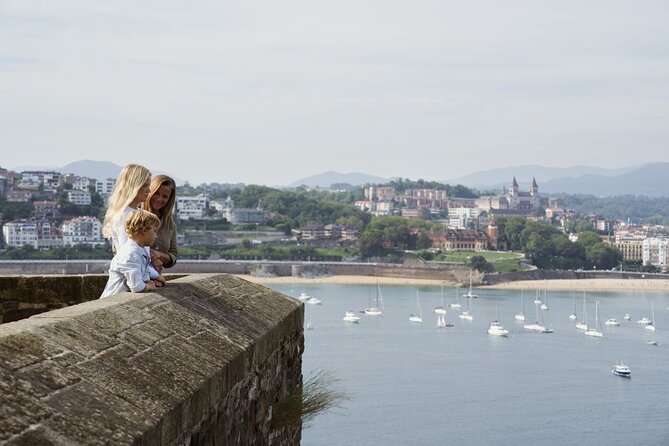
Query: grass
[[502, 261], [319, 393]]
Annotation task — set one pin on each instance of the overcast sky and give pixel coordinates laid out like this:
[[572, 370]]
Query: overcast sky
[[272, 91]]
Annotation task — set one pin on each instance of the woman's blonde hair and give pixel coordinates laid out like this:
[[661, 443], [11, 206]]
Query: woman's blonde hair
[[165, 214], [128, 183], [140, 221]]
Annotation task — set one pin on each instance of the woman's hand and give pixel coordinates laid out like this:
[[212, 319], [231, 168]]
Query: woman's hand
[[156, 260]]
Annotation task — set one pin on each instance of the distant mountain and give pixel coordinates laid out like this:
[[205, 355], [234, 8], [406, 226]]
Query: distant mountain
[[649, 180], [92, 169], [326, 179], [496, 178]]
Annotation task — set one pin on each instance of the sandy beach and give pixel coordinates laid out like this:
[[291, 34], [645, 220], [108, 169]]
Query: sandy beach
[[566, 285], [344, 280]]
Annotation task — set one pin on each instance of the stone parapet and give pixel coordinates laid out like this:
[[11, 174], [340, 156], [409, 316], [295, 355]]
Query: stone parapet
[[200, 362]]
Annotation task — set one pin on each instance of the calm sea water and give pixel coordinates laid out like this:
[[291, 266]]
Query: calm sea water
[[415, 384]]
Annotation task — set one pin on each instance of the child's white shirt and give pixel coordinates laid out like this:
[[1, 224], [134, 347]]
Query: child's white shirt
[[120, 237], [129, 270]]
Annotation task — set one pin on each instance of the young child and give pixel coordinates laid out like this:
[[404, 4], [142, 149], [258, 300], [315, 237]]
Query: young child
[[129, 269]]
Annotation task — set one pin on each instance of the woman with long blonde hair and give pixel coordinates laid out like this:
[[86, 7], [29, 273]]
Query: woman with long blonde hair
[[131, 190], [162, 195]]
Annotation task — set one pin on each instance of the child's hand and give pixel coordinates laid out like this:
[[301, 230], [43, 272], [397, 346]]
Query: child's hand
[[149, 286], [160, 280]]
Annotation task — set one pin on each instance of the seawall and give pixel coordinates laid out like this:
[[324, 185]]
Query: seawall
[[204, 361]]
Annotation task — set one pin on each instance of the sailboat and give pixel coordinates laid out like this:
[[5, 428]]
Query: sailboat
[[304, 296], [572, 316], [469, 294], [418, 316], [596, 331], [536, 326], [651, 326], [544, 304], [537, 298], [495, 328], [377, 308], [456, 304], [521, 316], [466, 315], [583, 324], [350, 316], [441, 321], [441, 309]]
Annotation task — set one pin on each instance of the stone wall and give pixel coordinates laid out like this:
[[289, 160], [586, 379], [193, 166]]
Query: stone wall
[[200, 362]]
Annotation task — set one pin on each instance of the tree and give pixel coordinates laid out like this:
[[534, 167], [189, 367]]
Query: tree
[[588, 239], [481, 264], [371, 243], [603, 256]]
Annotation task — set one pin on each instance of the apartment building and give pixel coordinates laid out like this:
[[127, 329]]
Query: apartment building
[[192, 207], [82, 230], [79, 197], [655, 252]]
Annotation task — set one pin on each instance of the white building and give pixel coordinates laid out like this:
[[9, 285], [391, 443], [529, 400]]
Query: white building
[[79, 197], [378, 208], [83, 183], [238, 216], [20, 233], [459, 218], [192, 207], [655, 252], [42, 234], [82, 230], [49, 180], [105, 187]]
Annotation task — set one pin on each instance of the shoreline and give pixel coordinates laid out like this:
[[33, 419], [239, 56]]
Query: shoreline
[[553, 285]]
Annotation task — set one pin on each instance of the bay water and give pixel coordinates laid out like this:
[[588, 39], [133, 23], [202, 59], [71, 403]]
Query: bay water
[[416, 384]]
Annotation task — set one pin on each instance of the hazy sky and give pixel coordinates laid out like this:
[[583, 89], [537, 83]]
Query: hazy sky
[[272, 91]]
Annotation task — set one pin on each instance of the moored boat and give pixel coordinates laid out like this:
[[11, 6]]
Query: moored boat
[[621, 370]]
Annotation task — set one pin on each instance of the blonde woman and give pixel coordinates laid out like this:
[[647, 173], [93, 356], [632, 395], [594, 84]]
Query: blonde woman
[[162, 195], [131, 190]]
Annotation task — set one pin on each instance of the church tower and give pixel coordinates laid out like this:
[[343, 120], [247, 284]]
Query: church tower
[[534, 189], [513, 194]]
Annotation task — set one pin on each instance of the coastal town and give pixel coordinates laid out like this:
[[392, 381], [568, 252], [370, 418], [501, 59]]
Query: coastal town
[[47, 210]]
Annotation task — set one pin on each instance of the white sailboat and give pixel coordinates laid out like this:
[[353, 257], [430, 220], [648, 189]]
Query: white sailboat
[[572, 316], [595, 331], [441, 309], [495, 328], [456, 304], [521, 316], [314, 301], [537, 297], [350, 316], [377, 308], [418, 316], [536, 326], [651, 326], [469, 294], [583, 324], [544, 304], [303, 296], [467, 315], [441, 321]]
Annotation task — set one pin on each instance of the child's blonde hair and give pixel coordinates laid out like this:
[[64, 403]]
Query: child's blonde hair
[[129, 182], [140, 221]]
